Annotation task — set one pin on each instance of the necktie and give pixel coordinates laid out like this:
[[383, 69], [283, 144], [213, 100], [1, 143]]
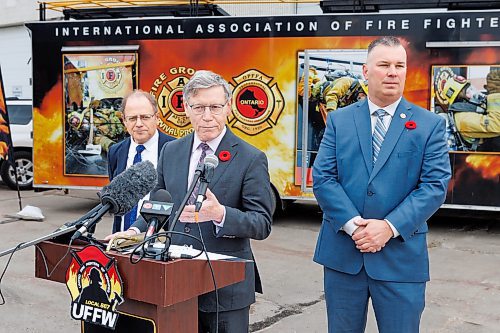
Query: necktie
[[131, 216], [378, 133], [204, 147]]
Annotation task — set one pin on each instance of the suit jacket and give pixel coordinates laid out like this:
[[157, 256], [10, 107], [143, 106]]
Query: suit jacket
[[406, 186], [117, 162], [242, 185]]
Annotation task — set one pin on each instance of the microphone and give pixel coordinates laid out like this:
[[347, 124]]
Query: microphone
[[157, 210], [210, 163], [122, 194]]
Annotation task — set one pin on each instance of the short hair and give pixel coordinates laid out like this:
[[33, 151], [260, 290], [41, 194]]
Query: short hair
[[137, 93], [386, 41], [204, 79]]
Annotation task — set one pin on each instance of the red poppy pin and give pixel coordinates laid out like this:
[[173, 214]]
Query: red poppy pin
[[411, 124], [224, 156]]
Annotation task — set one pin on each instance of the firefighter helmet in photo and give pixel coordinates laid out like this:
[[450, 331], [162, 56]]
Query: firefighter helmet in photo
[[447, 86], [352, 95], [76, 119]]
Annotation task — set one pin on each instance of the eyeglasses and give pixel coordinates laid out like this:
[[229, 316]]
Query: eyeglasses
[[143, 117], [199, 109]]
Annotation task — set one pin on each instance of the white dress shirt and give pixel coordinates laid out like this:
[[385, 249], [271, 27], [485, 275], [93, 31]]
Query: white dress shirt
[[195, 157], [350, 225], [150, 153]]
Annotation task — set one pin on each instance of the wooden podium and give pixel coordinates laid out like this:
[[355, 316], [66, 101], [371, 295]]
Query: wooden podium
[[165, 293]]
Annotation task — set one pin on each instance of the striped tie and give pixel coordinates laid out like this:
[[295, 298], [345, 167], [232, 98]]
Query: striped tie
[[204, 148], [378, 133]]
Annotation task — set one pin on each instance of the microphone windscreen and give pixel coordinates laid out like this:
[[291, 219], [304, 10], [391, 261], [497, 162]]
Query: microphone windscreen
[[211, 160], [161, 195], [130, 186]]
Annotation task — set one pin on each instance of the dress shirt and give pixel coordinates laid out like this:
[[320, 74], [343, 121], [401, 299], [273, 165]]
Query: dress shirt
[[148, 154], [350, 225], [193, 163]]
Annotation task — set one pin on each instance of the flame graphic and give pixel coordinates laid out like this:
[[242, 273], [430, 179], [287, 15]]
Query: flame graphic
[[116, 287], [71, 283], [3, 150], [3, 125], [487, 165]]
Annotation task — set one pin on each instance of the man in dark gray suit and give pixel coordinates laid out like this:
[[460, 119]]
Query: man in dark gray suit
[[238, 204]]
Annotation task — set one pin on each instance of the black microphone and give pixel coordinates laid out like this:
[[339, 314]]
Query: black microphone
[[210, 163], [157, 210], [123, 193]]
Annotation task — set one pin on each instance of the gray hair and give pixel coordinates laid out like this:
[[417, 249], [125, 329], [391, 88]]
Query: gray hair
[[386, 41], [137, 93], [204, 79]]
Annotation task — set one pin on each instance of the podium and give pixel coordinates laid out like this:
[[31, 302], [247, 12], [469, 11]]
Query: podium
[[163, 293]]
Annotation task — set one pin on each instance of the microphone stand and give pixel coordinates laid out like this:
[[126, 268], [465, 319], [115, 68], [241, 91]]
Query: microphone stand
[[65, 229], [198, 173]]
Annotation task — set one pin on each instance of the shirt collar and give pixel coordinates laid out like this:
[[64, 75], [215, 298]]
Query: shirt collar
[[390, 109], [213, 144], [149, 145]]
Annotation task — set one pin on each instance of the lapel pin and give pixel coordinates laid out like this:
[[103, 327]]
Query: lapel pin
[[224, 156], [402, 115]]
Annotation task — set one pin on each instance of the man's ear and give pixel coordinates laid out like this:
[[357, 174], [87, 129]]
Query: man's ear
[[186, 108], [365, 71]]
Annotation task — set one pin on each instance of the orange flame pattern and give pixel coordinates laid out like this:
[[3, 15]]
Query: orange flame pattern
[[487, 165], [279, 143]]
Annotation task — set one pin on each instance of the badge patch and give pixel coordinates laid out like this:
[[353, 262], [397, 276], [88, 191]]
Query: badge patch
[[257, 103], [167, 90], [95, 286]]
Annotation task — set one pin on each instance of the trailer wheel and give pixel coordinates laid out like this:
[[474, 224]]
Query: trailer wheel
[[277, 208], [24, 167]]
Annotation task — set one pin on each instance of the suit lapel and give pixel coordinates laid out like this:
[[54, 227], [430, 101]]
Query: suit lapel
[[228, 143], [393, 133], [183, 158], [123, 156], [363, 126]]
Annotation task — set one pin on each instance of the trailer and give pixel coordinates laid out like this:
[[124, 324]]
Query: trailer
[[278, 67]]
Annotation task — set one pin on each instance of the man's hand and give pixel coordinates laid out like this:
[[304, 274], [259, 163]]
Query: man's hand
[[126, 233], [371, 235], [211, 210]]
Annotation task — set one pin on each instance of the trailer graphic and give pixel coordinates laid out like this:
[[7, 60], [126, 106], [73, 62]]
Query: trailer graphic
[[280, 69]]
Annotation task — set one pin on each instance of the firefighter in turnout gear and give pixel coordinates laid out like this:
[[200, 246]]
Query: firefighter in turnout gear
[[339, 93], [473, 117], [107, 127]]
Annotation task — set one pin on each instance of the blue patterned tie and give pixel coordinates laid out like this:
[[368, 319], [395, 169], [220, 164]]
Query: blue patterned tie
[[192, 198], [131, 216], [378, 133]]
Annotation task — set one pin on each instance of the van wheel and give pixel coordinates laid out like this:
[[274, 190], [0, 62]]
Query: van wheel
[[24, 167]]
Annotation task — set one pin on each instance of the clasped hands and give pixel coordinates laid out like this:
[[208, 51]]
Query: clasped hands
[[371, 235]]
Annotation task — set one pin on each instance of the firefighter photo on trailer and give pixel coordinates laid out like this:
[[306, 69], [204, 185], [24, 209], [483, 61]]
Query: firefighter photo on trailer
[[334, 80], [341, 90], [94, 87], [472, 113]]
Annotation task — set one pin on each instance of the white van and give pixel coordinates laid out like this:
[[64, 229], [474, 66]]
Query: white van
[[21, 127]]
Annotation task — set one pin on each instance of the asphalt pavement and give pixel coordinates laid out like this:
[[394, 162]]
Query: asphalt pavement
[[463, 295]]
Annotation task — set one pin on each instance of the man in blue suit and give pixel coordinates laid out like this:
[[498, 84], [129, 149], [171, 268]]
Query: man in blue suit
[[139, 111], [377, 192]]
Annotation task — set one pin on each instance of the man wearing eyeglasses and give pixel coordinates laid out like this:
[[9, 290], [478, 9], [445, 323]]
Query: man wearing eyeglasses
[[238, 206], [139, 111]]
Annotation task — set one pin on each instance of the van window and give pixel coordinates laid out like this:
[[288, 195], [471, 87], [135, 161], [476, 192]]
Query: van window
[[19, 114]]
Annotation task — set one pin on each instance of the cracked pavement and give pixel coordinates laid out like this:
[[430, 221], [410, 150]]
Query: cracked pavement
[[462, 297]]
